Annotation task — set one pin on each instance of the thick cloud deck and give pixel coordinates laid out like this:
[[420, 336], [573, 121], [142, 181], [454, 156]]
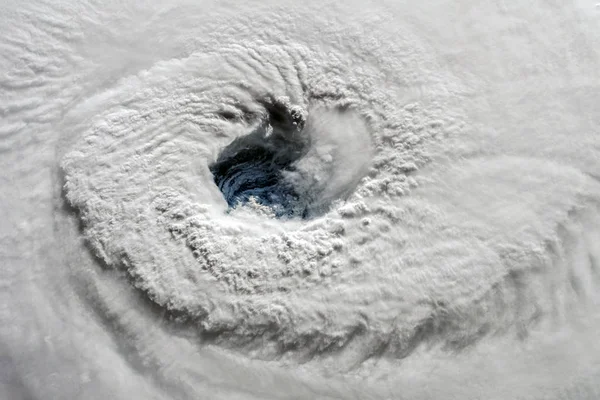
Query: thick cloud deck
[[299, 200], [185, 181]]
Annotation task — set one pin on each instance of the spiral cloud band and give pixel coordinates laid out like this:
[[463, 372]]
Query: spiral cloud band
[[327, 201], [141, 179]]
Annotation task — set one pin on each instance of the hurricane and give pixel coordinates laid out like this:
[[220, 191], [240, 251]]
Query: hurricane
[[300, 200]]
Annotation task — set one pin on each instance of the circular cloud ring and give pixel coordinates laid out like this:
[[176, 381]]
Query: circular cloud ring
[[141, 182]]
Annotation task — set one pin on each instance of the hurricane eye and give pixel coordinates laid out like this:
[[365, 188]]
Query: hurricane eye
[[253, 167]]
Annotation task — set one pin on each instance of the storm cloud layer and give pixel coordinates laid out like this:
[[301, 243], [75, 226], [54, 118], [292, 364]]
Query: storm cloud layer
[[382, 200]]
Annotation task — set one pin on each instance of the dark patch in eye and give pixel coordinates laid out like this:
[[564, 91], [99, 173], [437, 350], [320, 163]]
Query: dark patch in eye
[[253, 166], [227, 115]]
